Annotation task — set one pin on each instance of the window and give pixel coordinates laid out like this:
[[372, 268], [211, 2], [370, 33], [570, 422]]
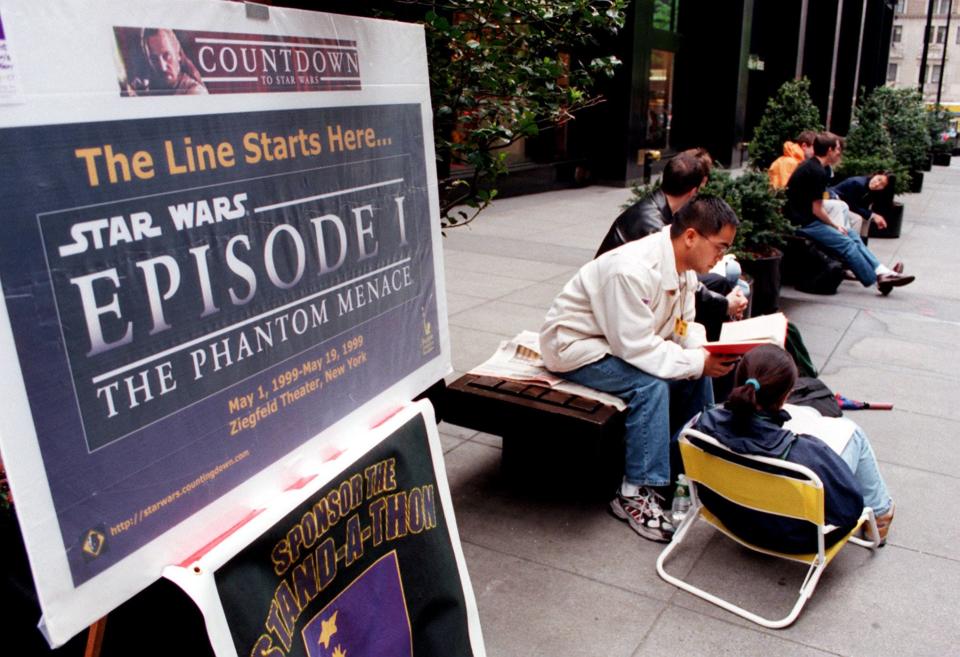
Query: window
[[933, 74], [958, 34], [665, 15], [901, 6], [937, 34], [940, 7], [898, 33], [659, 107], [891, 72]]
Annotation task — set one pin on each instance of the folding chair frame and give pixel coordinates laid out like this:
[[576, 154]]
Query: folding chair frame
[[818, 561]]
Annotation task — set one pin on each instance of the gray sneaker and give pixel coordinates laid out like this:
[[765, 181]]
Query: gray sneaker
[[644, 514]]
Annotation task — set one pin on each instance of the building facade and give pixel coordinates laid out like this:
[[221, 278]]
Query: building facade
[[695, 73], [942, 71]]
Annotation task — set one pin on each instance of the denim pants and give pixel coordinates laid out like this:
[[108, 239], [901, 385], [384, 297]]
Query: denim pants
[[656, 408], [858, 454], [849, 248]]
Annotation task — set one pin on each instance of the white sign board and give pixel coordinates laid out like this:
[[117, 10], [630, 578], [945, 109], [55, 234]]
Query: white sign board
[[221, 251]]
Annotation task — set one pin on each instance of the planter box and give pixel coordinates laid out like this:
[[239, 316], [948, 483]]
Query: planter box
[[941, 159], [927, 164], [894, 217], [916, 182], [765, 274]]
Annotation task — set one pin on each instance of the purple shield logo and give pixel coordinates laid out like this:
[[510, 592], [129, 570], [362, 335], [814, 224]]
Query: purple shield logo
[[367, 619]]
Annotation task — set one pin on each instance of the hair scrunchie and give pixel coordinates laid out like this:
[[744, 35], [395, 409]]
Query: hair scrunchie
[[752, 382]]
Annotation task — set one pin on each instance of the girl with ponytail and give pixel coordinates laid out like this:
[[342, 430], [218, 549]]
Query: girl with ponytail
[[751, 422]]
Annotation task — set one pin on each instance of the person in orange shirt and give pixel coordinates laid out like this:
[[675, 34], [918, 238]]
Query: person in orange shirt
[[793, 154]]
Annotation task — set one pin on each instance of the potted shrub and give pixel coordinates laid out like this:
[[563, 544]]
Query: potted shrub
[[904, 119], [787, 114], [938, 126], [762, 233], [868, 150]]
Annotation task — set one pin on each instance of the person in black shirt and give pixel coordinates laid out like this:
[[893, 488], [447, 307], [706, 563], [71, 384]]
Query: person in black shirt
[[806, 192]]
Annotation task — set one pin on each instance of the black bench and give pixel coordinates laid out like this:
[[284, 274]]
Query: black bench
[[548, 435]]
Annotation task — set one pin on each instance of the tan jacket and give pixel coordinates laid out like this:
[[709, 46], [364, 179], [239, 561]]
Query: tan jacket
[[626, 303]]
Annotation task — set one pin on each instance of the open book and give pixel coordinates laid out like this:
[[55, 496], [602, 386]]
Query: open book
[[834, 431], [742, 336]]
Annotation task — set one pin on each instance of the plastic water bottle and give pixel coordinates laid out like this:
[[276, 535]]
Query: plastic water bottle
[[733, 271], [744, 287], [681, 501]]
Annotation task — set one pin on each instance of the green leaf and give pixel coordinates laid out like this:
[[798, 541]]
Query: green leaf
[[495, 76]]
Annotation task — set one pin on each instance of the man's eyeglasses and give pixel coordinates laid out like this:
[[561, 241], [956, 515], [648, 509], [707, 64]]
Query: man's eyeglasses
[[720, 247]]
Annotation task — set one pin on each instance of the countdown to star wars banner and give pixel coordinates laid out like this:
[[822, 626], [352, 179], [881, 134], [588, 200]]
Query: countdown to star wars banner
[[364, 567]]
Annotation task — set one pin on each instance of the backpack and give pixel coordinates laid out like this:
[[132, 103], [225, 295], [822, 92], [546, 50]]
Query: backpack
[[798, 350], [812, 392], [810, 269]]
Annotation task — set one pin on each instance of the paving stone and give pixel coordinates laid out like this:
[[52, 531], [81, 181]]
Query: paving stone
[[919, 523], [500, 317], [911, 439], [525, 269], [537, 611], [892, 602], [679, 631], [488, 439], [449, 442], [456, 431], [928, 357], [574, 536], [459, 302], [811, 312], [482, 284], [475, 347], [541, 295], [908, 389], [519, 248]]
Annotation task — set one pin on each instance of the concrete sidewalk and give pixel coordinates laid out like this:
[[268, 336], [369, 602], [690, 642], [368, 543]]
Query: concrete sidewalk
[[559, 578]]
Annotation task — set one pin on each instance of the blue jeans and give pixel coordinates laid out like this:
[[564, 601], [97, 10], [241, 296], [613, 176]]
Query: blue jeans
[[860, 457], [849, 248], [656, 408]]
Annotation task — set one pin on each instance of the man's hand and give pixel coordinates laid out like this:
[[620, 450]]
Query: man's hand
[[736, 304], [843, 231], [718, 364], [879, 220]]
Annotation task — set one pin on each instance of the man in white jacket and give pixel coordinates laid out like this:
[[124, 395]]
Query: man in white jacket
[[624, 325]]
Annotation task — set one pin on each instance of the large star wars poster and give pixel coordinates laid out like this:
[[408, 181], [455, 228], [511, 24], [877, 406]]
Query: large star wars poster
[[220, 251]]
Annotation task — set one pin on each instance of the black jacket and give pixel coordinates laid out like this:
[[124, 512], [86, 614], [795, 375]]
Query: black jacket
[[855, 192], [764, 435], [639, 220]]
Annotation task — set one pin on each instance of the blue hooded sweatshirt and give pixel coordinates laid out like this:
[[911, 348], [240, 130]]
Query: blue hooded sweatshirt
[[764, 435]]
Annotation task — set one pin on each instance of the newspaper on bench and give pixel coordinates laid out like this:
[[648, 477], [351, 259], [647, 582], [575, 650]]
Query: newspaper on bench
[[519, 359]]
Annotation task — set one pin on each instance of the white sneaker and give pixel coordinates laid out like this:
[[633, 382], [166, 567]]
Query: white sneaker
[[644, 514]]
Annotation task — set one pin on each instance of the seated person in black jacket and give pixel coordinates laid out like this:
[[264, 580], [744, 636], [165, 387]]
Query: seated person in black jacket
[[751, 422], [863, 194], [682, 177]]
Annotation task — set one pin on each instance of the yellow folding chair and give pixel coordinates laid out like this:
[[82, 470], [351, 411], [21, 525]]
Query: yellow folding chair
[[737, 478]]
